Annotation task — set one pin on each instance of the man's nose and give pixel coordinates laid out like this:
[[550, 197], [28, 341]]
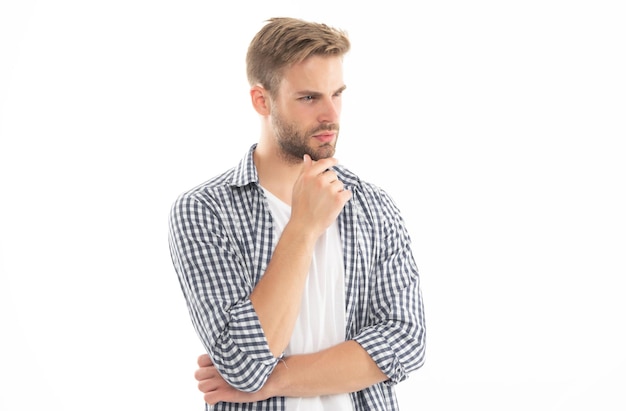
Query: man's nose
[[329, 111]]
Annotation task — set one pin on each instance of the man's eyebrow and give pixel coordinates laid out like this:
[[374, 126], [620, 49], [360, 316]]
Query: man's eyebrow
[[308, 93], [317, 93]]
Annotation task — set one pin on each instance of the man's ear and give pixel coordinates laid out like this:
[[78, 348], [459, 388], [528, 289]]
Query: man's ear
[[260, 100]]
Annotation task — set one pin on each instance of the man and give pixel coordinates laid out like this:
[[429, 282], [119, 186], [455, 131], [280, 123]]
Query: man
[[298, 276]]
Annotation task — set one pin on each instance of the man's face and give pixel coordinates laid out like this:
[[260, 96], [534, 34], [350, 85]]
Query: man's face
[[305, 112]]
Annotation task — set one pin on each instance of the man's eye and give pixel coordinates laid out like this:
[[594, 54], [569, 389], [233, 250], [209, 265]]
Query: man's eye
[[307, 98]]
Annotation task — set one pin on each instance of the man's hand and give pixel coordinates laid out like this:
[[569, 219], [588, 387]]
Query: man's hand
[[318, 196], [216, 389]]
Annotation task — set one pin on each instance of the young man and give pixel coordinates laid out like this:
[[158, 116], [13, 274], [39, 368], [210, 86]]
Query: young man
[[299, 277]]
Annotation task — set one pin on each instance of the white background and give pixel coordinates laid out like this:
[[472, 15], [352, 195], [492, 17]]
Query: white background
[[498, 127]]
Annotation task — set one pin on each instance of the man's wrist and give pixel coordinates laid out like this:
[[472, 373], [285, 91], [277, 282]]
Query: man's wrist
[[276, 384]]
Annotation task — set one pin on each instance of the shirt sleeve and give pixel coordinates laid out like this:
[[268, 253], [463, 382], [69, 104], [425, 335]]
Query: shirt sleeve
[[395, 334], [216, 285]]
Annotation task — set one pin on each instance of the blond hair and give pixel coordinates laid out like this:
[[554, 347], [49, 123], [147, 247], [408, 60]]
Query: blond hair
[[286, 41]]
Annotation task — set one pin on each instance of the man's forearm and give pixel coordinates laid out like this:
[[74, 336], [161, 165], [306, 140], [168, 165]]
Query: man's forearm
[[343, 368], [277, 296]]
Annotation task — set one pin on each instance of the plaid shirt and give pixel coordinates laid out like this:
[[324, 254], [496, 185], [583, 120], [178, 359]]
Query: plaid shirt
[[221, 240]]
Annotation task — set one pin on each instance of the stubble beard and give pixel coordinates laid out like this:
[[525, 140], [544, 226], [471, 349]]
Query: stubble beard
[[294, 144]]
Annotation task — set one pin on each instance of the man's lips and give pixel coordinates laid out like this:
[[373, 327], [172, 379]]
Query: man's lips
[[325, 137]]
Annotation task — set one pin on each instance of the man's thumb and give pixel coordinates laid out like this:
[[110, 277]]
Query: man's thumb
[[307, 160]]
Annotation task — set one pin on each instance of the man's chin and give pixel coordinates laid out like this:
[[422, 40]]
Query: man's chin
[[316, 154], [320, 153]]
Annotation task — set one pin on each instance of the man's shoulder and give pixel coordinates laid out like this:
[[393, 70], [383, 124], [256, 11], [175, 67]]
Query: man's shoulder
[[207, 192], [239, 175]]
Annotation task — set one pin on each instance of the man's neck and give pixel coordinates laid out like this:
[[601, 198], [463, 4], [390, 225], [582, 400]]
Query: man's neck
[[276, 174]]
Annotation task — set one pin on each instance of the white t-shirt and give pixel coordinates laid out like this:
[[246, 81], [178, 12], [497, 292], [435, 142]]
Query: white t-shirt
[[322, 319]]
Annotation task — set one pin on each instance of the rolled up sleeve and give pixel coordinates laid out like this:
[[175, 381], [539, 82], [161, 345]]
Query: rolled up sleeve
[[216, 282], [394, 330]]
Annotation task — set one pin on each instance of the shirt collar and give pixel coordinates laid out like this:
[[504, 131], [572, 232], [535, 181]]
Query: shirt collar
[[245, 172]]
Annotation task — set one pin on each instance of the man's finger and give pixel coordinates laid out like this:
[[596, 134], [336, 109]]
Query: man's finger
[[202, 374], [204, 360]]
